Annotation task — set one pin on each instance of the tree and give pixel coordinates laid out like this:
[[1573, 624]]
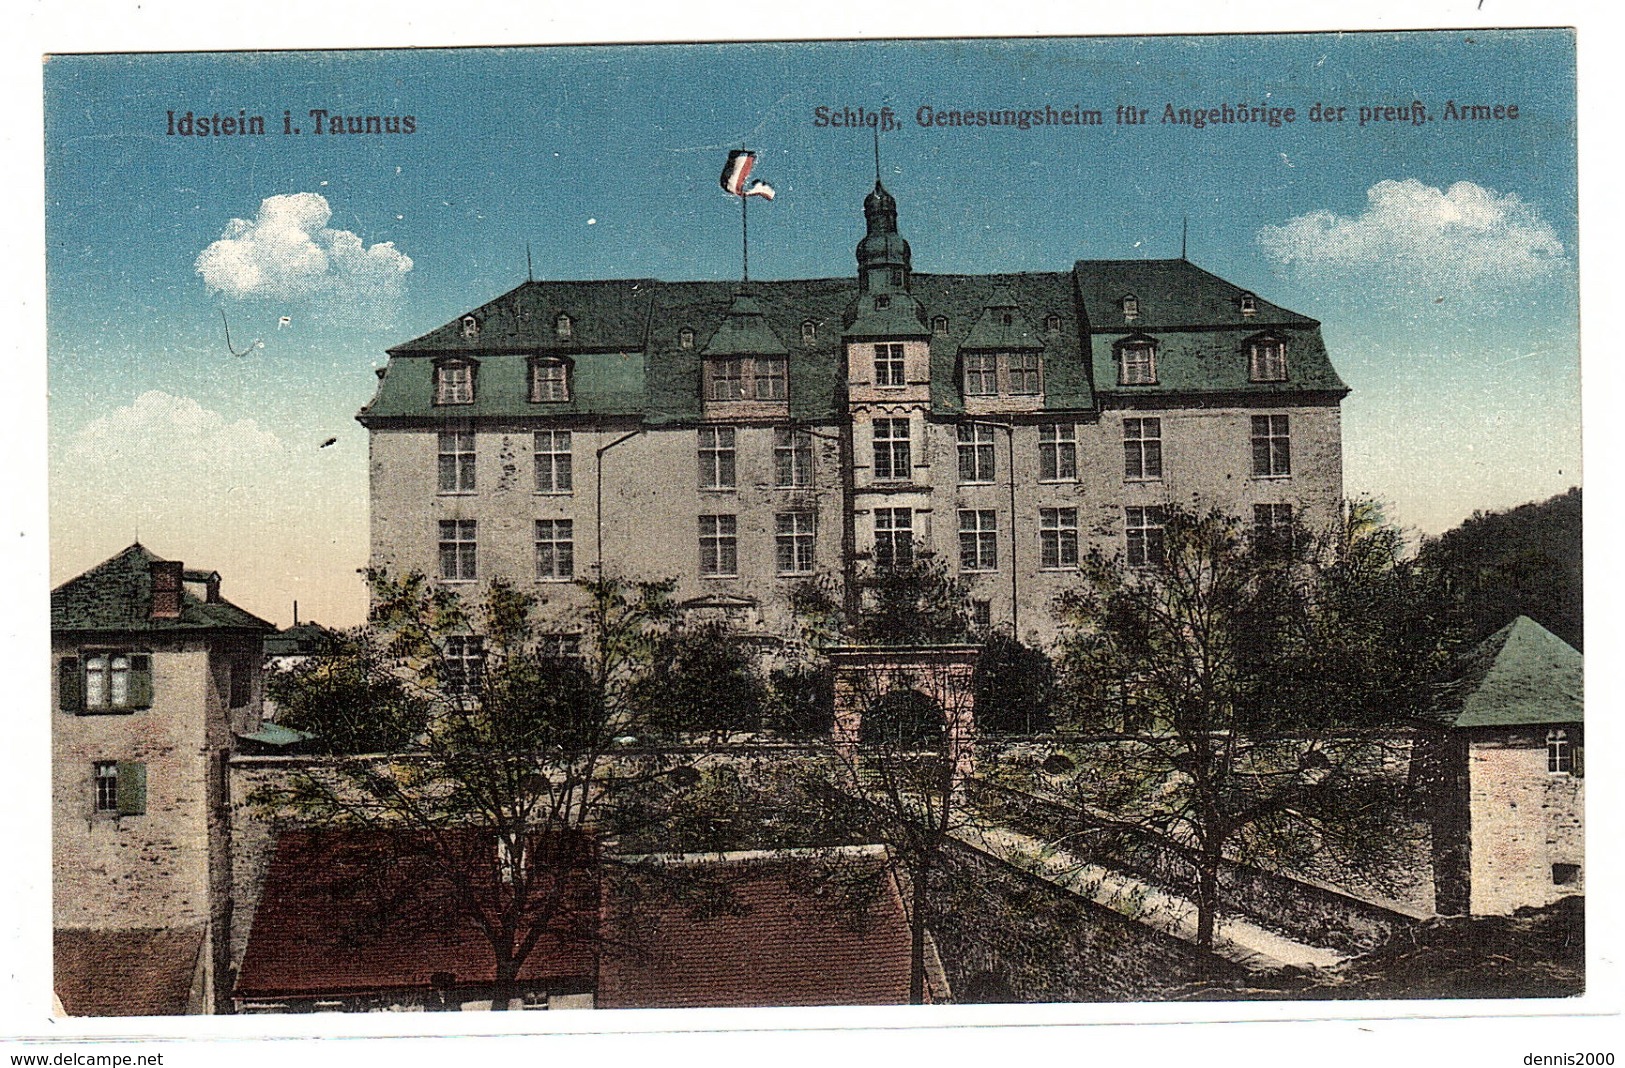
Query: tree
[[349, 697], [1015, 687], [1497, 566], [1247, 681], [894, 777], [706, 680], [496, 803]]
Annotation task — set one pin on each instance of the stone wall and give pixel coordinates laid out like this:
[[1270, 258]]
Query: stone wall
[[1006, 935], [1525, 822]]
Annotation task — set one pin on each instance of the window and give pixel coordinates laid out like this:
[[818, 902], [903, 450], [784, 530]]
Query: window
[[792, 458], [889, 364], [1249, 304], [549, 381], [794, 542], [456, 461], [719, 545], [559, 646], [464, 657], [555, 549], [1559, 753], [106, 785], [1024, 374], [107, 681], [1057, 452], [1137, 363], [896, 276], [1058, 538], [104, 681], [1131, 308], [120, 787], [471, 326], [883, 301], [454, 382], [976, 462], [1052, 324], [554, 472], [1272, 446], [1142, 449], [685, 338], [978, 540], [892, 460], [939, 325], [716, 457], [1145, 536], [771, 379], [457, 550], [981, 374], [735, 378], [1565, 874], [725, 380], [563, 327], [809, 331], [1271, 519], [894, 537], [981, 616], [1267, 360]]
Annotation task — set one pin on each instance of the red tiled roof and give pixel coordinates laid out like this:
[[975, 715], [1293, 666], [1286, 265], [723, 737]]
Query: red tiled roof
[[128, 972], [790, 931], [774, 930], [344, 913]]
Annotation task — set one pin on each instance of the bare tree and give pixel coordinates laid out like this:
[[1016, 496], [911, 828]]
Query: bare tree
[[497, 802], [1248, 685]]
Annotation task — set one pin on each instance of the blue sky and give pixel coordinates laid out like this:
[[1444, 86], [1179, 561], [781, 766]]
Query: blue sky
[[1440, 258]]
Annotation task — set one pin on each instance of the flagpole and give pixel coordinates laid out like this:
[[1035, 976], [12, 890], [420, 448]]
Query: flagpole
[[744, 233]]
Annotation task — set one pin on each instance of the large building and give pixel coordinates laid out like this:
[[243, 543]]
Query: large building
[[743, 437]]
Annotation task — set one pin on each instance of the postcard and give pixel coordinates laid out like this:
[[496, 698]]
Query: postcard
[[1082, 525]]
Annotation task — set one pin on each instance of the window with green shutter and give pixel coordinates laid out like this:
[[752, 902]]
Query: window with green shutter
[[132, 789], [105, 681]]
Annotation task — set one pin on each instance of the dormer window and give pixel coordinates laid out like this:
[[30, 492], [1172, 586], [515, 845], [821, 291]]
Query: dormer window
[[1131, 308], [1007, 319], [1249, 304], [809, 331], [563, 327], [939, 325], [1052, 324], [471, 326], [549, 381], [685, 338], [1267, 359], [883, 301], [745, 378], [1137, 363], [454, 382]]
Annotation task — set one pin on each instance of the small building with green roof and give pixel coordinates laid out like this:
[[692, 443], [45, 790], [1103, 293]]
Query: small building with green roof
[[744, 437], [1510, 822]]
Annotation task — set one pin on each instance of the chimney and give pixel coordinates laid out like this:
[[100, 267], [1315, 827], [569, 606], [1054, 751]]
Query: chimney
[[166, 589], [211, 587]]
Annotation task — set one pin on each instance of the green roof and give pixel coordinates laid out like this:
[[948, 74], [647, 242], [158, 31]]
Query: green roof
[[744, 332], [116, 595], [1521, 675], [625, 340]]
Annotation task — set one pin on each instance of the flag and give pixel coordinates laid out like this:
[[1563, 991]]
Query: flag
[[736, 177]]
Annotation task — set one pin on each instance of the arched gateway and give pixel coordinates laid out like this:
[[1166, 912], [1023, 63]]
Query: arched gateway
[[899, 684]]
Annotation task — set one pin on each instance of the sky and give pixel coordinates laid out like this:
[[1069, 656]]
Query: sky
[[1439, 256]]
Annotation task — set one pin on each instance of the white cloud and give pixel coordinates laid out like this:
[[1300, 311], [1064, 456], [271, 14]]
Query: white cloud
[[288, 252], [264, 510], [1419, 237]]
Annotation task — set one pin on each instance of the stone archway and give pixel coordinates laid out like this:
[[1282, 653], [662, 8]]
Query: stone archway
[[901, 682]]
